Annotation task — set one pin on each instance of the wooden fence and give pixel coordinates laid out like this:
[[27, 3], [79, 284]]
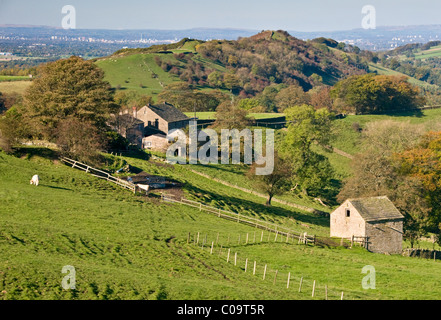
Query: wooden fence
[[302, 237], [100, 174]]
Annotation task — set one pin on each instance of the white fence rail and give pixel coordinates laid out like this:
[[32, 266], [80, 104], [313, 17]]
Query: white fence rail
[[233, 216], [100, 174]]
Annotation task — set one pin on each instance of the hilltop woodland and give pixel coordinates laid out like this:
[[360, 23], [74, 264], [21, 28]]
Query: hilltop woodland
[[70, 104]]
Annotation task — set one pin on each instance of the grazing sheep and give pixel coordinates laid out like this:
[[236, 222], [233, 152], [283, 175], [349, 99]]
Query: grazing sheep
[[35, 180]]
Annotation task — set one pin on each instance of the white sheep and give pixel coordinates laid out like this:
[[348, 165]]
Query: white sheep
[[35, 180]]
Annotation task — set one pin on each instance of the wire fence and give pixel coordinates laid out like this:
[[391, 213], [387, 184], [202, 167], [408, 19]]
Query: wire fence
[[228, 248], [250, 221]]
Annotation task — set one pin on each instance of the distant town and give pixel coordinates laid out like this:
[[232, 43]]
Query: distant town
[[41, 41]]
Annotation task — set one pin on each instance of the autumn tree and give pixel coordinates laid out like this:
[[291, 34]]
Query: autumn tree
[[422, 163], [290, 97], [320, 97], [230, 116], [372, 93], [379, 170], [68, 88], [79, 139], [70, 103]]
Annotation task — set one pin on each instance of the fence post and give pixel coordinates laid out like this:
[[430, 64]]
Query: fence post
[[188, 238], [264, 272], [200, 207], [275, 277], [228, 256], [287, 283], [313, 289], [246, 264], [326, 292], [301, 282], [197, 242], [235, 258], [261, 237], [246, 242], [342, 293], [254, 270]]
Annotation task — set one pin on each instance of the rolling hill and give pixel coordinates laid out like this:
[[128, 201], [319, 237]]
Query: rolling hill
[[244, 66]]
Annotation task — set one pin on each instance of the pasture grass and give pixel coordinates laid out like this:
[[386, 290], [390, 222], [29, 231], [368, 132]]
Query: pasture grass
[[14, 86], [132, 247]]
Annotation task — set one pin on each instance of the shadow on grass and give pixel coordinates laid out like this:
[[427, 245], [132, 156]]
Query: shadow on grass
[[235, 204], [404, 113], [58, 188], [30, 152]]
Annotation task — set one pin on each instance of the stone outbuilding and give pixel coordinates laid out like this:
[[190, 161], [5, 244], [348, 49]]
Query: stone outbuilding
[[374, 219]]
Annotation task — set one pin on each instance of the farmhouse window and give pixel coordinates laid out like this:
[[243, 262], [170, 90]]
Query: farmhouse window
[[348, 213]]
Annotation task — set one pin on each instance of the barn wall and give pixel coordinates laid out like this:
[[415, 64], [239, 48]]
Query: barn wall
[[344, 227], [384, 239]]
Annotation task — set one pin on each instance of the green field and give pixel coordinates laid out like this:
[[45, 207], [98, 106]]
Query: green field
[[140, 73], [212, 115], [14, 86], [13, 78], [388, 72], [131, 247], [429, 53]]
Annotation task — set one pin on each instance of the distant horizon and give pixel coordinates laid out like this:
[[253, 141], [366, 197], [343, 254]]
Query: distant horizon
[[215, 28], [294, 15]]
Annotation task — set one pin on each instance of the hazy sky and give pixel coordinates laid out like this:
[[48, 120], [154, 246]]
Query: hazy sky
[[294, 15]]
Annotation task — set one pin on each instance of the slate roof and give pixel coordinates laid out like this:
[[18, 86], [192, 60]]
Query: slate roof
[[168, 112], [131, 119], [376, 209]]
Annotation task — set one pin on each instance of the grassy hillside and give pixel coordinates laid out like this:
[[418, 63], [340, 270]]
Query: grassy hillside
[[429, 53], [389, 72], [136, 72], [129, 247], [254, 63]]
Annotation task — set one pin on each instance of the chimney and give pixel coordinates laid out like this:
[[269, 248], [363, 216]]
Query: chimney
[[135, 113]]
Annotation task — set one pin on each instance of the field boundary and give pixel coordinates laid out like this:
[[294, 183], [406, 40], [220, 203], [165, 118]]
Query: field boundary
[[263, 271], [290, 204], [100, 174], [237, 217]]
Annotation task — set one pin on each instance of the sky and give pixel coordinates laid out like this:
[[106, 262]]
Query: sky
[[293, 15]]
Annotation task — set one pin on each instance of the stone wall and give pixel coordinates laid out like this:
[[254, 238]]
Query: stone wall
[[385, 236], [346, 227]]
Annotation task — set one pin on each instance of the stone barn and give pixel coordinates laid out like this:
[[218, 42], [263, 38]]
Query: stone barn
[[375, 218]]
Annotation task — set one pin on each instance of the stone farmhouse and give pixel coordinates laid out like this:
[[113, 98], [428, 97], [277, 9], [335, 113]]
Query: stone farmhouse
[[160, 120], [374, 219], [148, 127]]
